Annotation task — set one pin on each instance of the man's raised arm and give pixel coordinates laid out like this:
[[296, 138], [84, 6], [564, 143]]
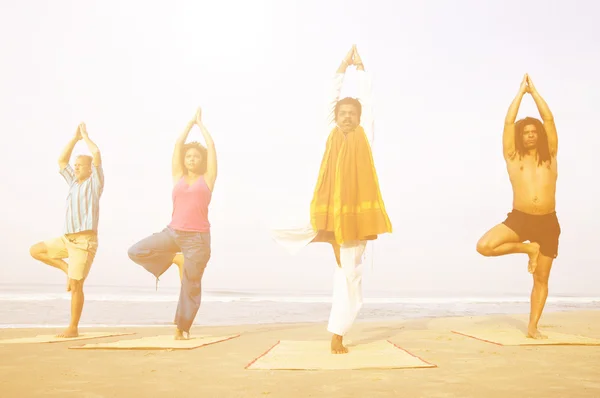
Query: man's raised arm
[[97, 172], [65, 156], [508, 136], [92, 147], [365, 96], [333, 96], [547, 117]]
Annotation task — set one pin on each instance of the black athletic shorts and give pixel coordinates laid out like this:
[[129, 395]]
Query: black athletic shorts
[[541, 229]]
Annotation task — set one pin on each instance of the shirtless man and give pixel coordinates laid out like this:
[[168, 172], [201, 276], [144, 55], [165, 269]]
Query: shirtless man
[[79, 242], [530, 149]]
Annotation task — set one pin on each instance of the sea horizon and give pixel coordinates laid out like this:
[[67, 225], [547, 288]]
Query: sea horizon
[[47, 306], [32, 292]]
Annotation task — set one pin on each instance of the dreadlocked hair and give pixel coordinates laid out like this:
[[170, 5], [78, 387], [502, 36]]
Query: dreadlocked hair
[[543, 149]]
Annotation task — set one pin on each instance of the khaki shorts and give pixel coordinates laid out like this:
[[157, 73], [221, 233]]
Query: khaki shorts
[[79, 248]]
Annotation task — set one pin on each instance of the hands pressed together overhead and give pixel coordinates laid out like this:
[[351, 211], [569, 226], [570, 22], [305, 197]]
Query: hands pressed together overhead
[[198, 117], [353, 58], [81, 132], [527, 85]]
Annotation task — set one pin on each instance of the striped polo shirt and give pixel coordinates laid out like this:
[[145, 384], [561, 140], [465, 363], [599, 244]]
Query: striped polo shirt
[[83, 201]]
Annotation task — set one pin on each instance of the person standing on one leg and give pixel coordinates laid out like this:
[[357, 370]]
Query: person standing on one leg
[[194, 171], [80, 240], [347, 209], [530, 149]]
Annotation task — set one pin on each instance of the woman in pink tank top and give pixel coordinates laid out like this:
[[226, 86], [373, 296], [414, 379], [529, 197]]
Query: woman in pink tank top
[[186, 240]]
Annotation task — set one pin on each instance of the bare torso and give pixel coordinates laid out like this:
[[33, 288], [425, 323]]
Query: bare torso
[[534, 187]]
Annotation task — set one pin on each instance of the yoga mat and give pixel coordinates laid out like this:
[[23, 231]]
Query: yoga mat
[[516, 337], [48, 338], [163, 342], [316, 355]]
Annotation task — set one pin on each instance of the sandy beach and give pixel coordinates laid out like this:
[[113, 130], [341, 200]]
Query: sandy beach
[[466, 367]]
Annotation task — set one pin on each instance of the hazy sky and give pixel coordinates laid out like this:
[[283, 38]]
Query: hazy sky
[[444, 74]]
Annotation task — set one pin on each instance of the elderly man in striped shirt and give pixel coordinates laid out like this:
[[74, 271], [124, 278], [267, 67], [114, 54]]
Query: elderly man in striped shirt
[[79, 241]]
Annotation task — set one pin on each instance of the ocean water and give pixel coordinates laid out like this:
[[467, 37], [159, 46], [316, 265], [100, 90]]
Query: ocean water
[[48, 306]]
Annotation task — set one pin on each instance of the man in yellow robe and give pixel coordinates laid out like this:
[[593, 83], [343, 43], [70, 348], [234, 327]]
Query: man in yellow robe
[[347, 209]]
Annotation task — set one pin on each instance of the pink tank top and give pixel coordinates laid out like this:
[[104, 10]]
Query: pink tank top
[[190, 206]]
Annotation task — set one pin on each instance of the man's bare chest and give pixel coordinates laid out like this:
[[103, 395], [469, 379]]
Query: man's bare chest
[[532, 173]]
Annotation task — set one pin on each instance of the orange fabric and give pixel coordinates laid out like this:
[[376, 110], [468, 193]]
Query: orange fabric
[[347, 203]]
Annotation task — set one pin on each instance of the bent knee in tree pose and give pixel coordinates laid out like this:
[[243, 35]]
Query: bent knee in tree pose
[[347, 209], [79, 242], [530, 149], [186, 240]]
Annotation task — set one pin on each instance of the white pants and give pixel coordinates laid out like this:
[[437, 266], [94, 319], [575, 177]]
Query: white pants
[[347, 288]]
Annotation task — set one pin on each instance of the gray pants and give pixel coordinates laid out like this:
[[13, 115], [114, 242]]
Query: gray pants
[[155, 253]]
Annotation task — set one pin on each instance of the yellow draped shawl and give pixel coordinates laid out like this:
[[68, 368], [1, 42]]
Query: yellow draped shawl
[[347, 203]]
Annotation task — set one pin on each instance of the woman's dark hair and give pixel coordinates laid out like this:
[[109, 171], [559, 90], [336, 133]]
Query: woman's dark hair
[[200, 148], [542, 141]]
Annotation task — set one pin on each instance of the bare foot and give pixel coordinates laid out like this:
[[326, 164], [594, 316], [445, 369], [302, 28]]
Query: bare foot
[[69, 332], [179, 335], [533, 256], [336, 345], [534, 333]]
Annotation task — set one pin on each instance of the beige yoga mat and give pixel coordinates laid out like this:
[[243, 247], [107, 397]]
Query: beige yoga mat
[[164, 342], [316, 355], [49, 338], [516, 337]]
